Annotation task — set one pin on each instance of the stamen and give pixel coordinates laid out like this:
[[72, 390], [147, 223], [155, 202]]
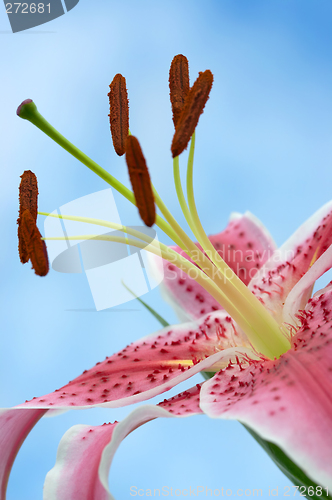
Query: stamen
[[35, 246], [22, 249], [30, 245], [178, 85], [153, 247], [140, 181], [192, 110], [104, 223], [119, 113], [181, 197], [28, 193], [245, 309], [266, 335], [167, 254]]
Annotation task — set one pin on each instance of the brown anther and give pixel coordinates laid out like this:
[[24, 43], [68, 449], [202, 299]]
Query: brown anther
[[22, 249], [30, 244], [35, 246], [119, 113], [140, 181], [178, 85], [27, 227], [192, 109], [28, 193]]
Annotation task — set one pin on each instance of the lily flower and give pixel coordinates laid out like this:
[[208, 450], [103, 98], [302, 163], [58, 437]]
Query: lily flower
[[255, 331]]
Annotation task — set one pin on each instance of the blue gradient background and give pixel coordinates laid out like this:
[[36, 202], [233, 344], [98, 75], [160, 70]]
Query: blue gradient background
[[264, 143]]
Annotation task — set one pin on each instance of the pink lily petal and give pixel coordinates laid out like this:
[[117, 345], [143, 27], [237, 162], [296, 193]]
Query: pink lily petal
[[75, 474], [185, 403], [299, 295], [150, 366], [245, 245], [15, 425], [291, 261], [287, 401], [85, 453]]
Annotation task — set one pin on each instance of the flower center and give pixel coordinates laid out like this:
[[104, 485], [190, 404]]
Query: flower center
[[211, 271]]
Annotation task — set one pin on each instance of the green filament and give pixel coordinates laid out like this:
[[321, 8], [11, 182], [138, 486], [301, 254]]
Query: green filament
[[166, 253], [267, 330], [104, 223], [169, 254], [181, 197]]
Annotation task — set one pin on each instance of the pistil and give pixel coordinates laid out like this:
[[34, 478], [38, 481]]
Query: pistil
[[28, 111]]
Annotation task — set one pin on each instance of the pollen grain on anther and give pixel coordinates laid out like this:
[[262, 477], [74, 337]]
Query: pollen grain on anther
[[119, 113], [140, 181], [192, 109], [178, 85]]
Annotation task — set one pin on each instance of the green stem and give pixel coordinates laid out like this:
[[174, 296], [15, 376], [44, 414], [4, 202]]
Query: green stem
[[291, 470]]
